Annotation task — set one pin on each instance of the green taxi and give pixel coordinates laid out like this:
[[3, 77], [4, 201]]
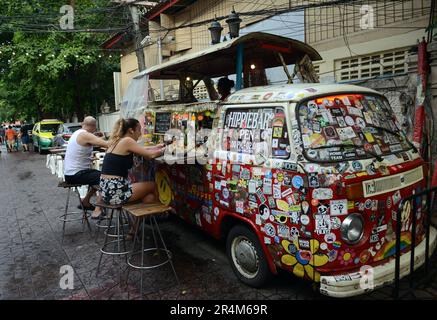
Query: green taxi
[[43, 133]]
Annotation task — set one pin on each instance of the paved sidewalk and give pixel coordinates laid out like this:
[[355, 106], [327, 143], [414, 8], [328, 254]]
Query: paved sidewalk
[[31, 253]]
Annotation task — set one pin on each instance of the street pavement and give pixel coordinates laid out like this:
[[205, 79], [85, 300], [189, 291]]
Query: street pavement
[[31, 253]]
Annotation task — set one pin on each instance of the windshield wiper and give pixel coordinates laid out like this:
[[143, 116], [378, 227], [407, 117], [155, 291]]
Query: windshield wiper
[[376, 156], [395, 134]]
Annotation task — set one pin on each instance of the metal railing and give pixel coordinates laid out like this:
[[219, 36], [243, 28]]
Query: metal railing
[[429, 194]]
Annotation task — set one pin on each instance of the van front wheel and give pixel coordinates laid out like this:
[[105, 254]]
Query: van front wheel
[[247, 257]]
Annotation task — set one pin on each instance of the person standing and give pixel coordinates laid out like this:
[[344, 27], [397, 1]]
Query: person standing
[[10, 136], [2, 136], [78, 158], [224, 87], [24, 135]]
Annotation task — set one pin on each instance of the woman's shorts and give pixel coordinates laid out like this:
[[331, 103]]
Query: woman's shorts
[[115, 190]]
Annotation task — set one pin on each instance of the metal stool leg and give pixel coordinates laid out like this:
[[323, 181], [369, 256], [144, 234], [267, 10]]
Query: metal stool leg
[[106, 240], [98, 224], [85, 214], [133, 250], [65, 216], [165, 247], [154, 236], [142, 257]]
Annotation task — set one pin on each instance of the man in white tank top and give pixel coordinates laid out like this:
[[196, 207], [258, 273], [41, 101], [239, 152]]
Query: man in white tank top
[[78, 157]]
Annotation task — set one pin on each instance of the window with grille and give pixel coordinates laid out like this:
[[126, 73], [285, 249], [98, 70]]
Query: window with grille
[[200, 92], [375, 65]]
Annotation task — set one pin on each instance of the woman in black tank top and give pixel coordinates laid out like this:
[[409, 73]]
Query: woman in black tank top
[[115, 186]]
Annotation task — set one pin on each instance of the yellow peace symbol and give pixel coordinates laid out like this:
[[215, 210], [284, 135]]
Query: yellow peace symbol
[[164, 189]]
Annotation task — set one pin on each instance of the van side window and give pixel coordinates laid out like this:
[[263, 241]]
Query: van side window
[[256, 130]]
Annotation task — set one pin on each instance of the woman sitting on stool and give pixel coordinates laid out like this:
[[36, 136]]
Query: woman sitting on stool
[[115, 186]]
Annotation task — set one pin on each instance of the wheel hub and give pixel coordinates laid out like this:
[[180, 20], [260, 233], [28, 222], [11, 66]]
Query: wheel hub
[[246, 256]]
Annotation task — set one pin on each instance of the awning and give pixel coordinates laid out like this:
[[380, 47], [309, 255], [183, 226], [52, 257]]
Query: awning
[[220, 59]]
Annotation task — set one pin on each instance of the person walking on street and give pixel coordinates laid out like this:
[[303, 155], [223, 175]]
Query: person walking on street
[[10, 136], [24, 135], [78, 158], [2, 136]]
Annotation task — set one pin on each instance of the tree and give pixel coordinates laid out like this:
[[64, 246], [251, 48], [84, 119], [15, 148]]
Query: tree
[[47, 72]]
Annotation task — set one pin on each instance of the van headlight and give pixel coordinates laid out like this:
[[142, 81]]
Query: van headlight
[[352, 228]]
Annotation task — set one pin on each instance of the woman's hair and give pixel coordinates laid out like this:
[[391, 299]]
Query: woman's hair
[[121, 127]]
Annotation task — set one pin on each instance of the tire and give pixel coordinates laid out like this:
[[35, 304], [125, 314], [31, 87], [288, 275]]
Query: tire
[[35, 148], [39, 149], [253, 269]]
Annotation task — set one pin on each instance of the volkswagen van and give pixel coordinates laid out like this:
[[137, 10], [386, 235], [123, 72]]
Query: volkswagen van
[[303, 177]]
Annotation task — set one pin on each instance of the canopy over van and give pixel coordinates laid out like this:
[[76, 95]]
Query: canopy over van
[[223, 59], [219, 60]]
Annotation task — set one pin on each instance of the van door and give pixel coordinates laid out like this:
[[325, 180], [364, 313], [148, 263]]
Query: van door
[[248, 174]]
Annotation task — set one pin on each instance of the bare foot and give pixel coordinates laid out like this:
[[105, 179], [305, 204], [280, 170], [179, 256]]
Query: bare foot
[[96, 213]]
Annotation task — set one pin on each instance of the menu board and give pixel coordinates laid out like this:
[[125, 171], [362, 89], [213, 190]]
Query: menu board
[[162, 122]]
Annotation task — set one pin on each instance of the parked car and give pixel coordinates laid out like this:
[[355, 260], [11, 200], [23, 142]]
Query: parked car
[[44, 132], [67, 129]]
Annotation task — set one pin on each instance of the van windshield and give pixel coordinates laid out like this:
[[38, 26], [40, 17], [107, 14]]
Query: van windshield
[[349, 127]]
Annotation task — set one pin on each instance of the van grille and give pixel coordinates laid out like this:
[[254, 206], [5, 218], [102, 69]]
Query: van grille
[[391, 183]]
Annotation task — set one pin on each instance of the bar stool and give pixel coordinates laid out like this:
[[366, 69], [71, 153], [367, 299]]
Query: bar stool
[[107, 228], [65, 217], [119, 247], [141, 211], [100, 225]]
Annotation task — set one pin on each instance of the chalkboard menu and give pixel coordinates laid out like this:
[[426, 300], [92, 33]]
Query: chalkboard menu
[[162, 122]]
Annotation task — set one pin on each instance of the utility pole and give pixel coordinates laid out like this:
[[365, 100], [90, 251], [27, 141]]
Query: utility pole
[[138, 37], [161, 82]]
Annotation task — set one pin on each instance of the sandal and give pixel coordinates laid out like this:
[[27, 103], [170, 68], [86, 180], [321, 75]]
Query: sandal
[[90, 207]]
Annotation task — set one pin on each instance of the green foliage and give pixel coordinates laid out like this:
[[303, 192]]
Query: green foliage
[[50, 73]]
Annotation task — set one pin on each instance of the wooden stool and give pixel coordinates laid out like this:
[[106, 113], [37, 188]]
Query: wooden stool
[[141, 211], [119, 235], [65, 217]]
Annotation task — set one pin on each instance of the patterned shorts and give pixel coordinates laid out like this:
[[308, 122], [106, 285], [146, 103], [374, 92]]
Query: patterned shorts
[[115, 190]]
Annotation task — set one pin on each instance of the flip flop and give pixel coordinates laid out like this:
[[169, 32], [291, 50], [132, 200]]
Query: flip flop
[[91, 207]]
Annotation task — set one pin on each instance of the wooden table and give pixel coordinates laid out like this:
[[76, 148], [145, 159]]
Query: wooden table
[[57, 150]]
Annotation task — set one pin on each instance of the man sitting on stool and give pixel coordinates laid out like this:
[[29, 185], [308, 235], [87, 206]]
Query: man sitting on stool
[[78, 157]]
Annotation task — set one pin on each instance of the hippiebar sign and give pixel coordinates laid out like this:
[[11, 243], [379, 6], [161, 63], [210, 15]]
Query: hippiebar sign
[[249, 120]]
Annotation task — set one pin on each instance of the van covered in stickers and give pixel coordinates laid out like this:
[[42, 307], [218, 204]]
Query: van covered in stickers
[[324, 197], [303, 177]]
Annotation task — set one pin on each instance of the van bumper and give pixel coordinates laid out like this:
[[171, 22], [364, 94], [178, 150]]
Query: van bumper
[[348, 284]]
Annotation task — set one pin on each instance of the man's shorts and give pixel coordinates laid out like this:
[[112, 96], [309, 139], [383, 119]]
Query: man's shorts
[[89, 177]]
